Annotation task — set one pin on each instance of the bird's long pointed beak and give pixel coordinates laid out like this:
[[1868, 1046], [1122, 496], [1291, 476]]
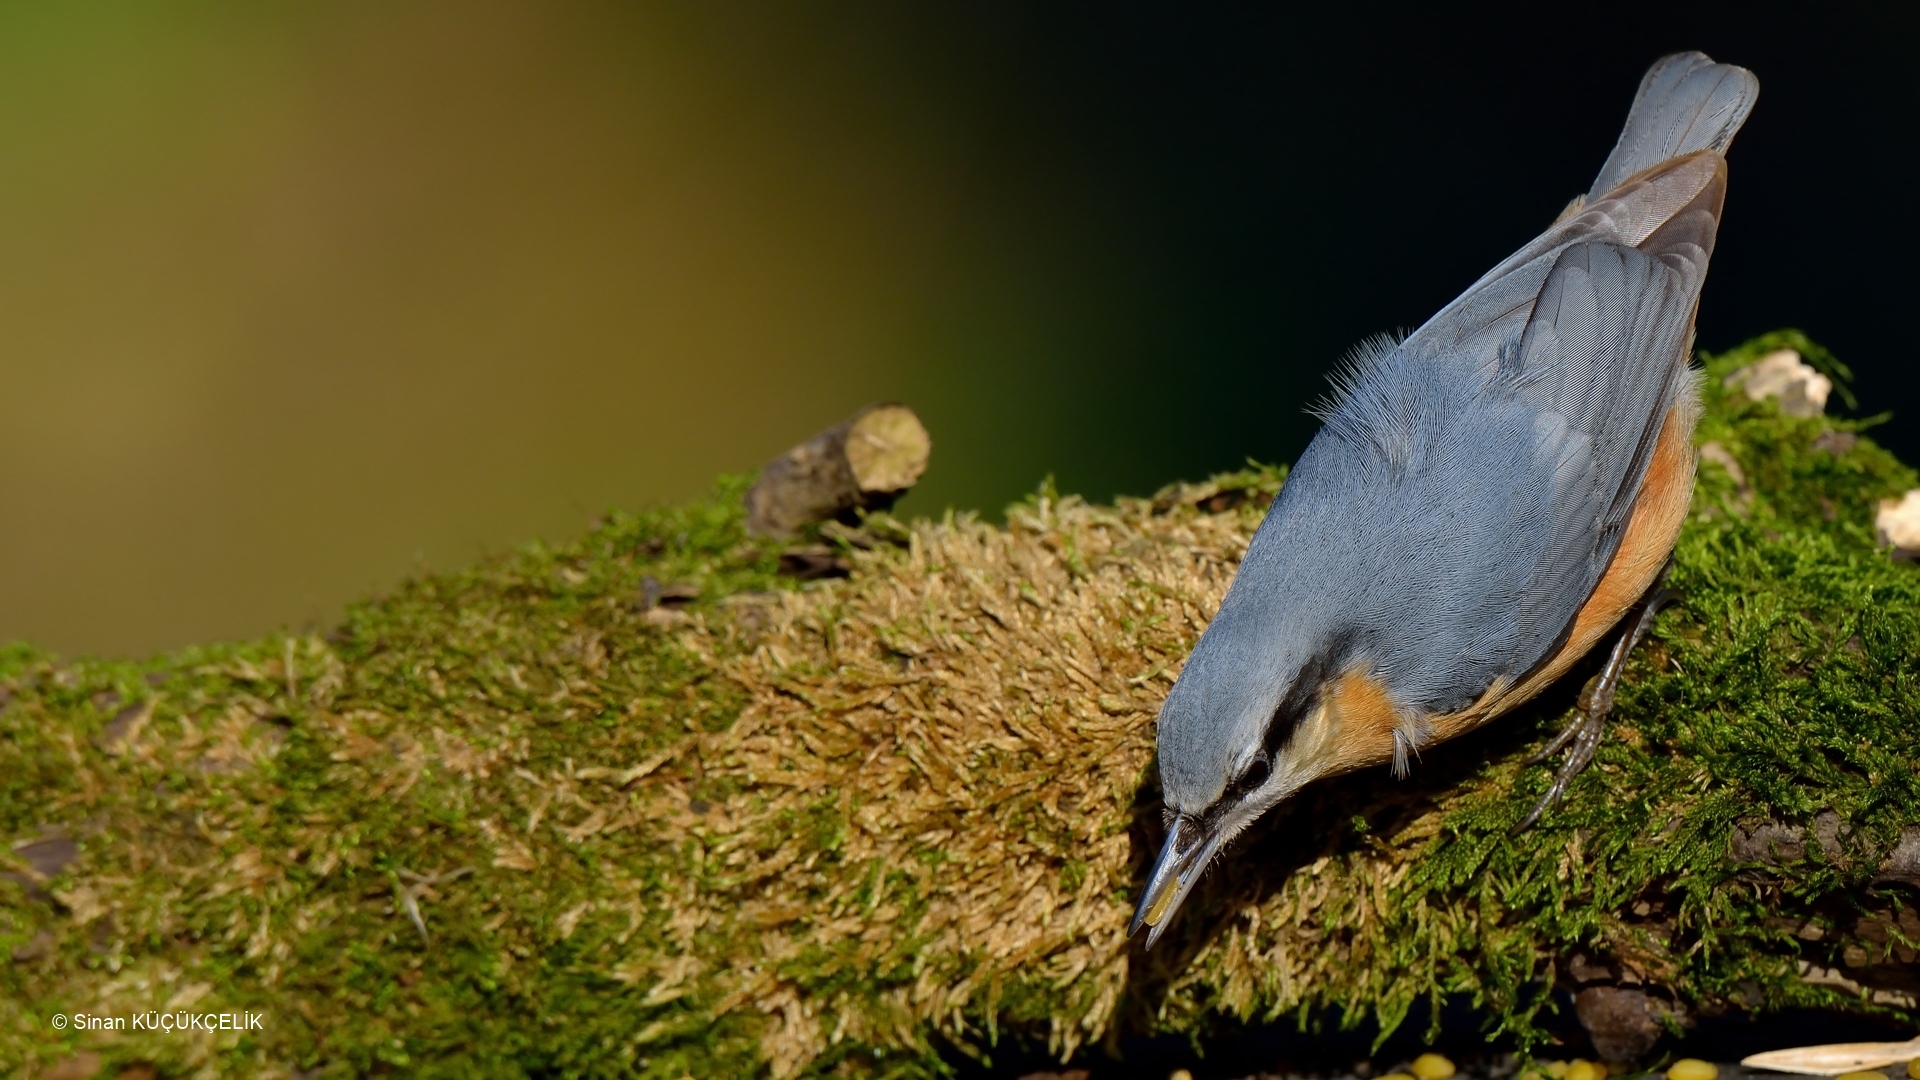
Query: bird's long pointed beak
[[1175, 872]]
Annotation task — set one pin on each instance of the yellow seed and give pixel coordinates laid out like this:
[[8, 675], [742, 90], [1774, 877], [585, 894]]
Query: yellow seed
[[1555, 1069], [1159, 909], [1862, 1074], [1432, 1067], [1692, 1069], [1582, 1069], [1913, 1069], [1179, 1074]]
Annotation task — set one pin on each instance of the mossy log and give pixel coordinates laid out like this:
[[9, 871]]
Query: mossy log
[[519, 820]]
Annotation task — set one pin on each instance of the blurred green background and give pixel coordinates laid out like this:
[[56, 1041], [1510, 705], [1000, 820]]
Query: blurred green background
[[294, 297], [297, 298]]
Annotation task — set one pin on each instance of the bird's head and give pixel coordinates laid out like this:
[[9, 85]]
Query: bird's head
[[1258, 713]]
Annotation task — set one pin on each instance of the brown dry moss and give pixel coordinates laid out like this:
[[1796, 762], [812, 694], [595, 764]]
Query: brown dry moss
[[512, 821]]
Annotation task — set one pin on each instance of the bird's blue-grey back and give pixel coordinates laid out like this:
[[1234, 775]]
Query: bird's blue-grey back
[[1470, 483]]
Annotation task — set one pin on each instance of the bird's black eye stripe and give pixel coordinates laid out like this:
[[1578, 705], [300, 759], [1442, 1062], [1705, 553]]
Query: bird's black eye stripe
[[1280, 726], [1286, 717], [1279, 730]]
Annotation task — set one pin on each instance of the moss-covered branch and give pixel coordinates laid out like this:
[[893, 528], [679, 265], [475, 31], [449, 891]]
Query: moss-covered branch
[[522, 819]]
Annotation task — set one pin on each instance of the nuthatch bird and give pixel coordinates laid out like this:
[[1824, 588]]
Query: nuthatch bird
[[1485, 500]]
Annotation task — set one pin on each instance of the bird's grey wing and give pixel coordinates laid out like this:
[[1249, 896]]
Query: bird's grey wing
[[1672, 213], [1605, 352], [1592, 338], [1604, 358]]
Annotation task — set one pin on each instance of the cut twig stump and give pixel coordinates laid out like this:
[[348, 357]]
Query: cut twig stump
[[863, 463]]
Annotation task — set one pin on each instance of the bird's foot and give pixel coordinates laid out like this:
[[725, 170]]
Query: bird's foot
[[1582, 737]]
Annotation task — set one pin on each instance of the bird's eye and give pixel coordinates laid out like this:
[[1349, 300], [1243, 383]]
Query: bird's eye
[[1257, 771]]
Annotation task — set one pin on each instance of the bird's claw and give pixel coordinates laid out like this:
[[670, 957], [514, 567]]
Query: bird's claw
[[1582, 737]]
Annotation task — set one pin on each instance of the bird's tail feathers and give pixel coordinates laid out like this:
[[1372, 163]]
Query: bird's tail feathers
[[1686, 103]]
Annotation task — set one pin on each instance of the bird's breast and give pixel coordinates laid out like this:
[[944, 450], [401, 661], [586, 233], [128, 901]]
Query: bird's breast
[[1351, 726]]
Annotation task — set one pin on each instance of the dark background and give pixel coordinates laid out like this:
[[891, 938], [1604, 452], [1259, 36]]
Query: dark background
[[1250, 191], [297, 299]]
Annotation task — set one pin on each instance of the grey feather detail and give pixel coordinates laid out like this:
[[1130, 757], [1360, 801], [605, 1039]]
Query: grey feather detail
[[1352, 370], [1387, 435], [1685, 103]]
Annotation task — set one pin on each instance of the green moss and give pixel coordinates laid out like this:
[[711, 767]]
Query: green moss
[[264, 836], [356, 817]]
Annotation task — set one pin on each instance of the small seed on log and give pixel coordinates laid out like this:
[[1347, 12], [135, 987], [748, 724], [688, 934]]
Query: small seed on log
[[1582, 1069], [1692, 1069]]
